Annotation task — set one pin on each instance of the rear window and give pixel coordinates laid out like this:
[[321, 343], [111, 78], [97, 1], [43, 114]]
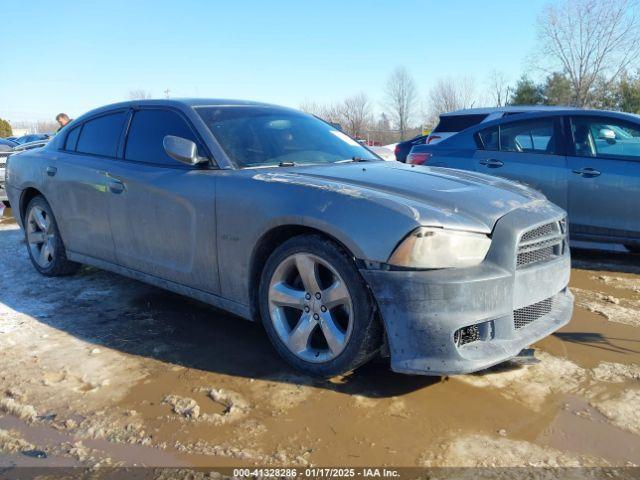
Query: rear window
[[100, 136], [457, 123], [530, 136], [72, 139]]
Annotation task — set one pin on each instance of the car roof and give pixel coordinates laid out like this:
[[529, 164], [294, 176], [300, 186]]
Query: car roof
[[468, 133], [508, 109], [177, 103]]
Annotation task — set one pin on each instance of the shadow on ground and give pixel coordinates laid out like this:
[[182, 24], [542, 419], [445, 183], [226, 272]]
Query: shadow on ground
[[122, 314]]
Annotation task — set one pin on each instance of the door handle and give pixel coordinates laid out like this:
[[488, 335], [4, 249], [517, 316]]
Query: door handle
[[51, 171], [115, 186], [587, 172], [492, 163]]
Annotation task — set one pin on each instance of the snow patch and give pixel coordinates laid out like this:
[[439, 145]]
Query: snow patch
[[13, 407], [613, 309], [484, 451], [235, 406], [616, 372], [531, 384], [623, 411], [183, 406], [12, 442]]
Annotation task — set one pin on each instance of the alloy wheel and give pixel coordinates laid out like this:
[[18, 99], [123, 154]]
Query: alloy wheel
[[41, 236], [310, 308]]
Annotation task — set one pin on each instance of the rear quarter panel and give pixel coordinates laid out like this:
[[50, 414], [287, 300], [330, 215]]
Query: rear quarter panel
[[25, 170]]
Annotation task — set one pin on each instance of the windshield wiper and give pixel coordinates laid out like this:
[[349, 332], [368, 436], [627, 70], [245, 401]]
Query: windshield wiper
[[353, 160], [287, 164]]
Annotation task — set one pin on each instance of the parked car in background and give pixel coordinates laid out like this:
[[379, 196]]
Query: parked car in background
[[5, 151], [31, 145], [586, 161], [8, 148], [402, 149], [7, 145], [34, 137], [277, 216], [453, 122]]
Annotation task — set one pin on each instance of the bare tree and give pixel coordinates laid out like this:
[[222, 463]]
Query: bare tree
[[591, 41], [401, 95], [450, 94], [331, 112], [139, 94], [356, 115], [499, 88]]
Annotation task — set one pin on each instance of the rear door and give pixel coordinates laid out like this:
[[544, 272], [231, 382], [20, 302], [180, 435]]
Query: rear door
[[163, 212], [530, 151], [604, 188], [75, 184]]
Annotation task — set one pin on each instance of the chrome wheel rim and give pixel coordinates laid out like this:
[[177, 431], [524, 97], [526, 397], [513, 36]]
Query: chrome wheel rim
[[311, 308], [40, 236]]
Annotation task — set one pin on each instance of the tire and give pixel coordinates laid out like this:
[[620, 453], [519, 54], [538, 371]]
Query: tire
[[325, 335], [633, 248], [45, 246]]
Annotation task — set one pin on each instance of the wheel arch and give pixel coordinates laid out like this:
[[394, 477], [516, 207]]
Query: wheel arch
[[26, 196], [268, 242]]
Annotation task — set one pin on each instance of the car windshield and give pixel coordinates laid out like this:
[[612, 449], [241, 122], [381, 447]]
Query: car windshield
[[254, 136]]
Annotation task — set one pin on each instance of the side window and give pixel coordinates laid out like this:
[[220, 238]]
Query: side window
[[533, 136], [147, 131], [605, 137], [488, 139], [72, 139], [100, 136]]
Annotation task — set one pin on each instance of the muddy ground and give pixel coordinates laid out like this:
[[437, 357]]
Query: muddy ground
[[96, 369]]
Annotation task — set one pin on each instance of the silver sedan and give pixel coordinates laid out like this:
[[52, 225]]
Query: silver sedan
[[279, 217]]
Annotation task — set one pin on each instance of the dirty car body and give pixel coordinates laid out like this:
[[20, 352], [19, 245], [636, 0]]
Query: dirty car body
[[462, 270]]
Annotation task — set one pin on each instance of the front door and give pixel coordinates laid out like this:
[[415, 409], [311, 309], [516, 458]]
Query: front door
[[163, 212], [604, 188]]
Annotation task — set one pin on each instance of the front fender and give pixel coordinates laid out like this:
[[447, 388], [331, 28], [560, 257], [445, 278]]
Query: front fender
[[250, 204]]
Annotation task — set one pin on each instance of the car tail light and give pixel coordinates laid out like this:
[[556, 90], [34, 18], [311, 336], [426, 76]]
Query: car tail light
[[419, 158], [396, 150], [432, 138]]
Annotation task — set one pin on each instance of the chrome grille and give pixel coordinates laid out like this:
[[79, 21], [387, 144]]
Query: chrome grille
[[526, 315], [540, 244]]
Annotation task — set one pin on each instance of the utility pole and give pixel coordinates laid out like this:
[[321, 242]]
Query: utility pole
[[166, 93]]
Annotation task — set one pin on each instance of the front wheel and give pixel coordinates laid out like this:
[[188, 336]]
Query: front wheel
[[317, 309], [44, 243]]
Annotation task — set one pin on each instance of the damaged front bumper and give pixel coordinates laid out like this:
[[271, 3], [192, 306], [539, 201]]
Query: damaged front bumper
[[453, 321]]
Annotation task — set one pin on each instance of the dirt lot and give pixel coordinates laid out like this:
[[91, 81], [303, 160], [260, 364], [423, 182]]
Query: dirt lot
[[96, 369]]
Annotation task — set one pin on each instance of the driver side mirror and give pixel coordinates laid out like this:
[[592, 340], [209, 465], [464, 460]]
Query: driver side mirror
[[182, 150], [607, 134]]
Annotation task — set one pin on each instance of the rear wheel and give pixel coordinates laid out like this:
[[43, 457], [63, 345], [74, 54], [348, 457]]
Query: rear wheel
[[317, 309], [45, 246]]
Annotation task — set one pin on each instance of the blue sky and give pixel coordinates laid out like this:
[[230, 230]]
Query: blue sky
[[76, 55]]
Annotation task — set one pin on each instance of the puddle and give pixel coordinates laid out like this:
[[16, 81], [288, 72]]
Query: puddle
[[582, 428]]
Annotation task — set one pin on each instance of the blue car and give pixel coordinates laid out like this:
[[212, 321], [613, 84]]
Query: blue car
[[586, 161]]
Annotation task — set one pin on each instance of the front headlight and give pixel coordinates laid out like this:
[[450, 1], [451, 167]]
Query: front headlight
[[428, 247]]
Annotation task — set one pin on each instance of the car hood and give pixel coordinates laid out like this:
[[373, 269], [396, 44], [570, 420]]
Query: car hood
[[433, 196]]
